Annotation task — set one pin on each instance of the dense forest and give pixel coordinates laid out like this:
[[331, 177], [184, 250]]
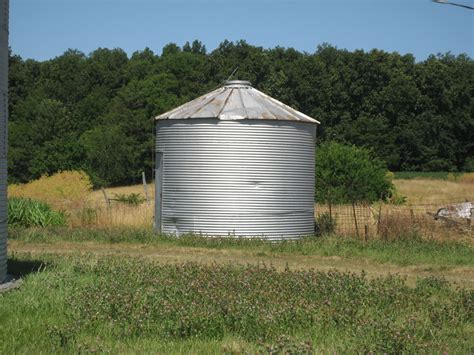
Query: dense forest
[[95, 112]]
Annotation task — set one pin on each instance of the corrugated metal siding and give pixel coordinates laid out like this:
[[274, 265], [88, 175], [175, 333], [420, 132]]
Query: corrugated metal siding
[[244, 178], [3, 219], [3, 135]]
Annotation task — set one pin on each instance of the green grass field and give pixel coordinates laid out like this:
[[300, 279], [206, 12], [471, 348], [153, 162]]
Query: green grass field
[[127, 290], [403, 251], [115, 304]]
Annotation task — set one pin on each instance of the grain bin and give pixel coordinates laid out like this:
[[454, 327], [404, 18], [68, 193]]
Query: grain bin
[[235, 162], [3, 135]]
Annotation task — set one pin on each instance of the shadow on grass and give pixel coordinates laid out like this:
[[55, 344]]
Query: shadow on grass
[[21, 268]]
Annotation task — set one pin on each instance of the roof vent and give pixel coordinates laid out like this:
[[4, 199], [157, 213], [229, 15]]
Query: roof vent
[[237, 84]]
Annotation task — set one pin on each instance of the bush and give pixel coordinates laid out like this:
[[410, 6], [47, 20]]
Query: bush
[[62, 188], [130, 199], [349, 174], [324, 224], [469, 165], [25, 212], [396, 198]]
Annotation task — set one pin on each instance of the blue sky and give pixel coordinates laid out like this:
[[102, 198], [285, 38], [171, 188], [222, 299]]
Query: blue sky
[[43, 29]]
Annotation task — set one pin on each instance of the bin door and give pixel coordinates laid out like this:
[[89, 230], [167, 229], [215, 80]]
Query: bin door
[[158, 190]]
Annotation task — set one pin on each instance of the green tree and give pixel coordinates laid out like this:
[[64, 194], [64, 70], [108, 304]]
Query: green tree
[[412, 115], [349, 174], [109, 155], [42, 139], [133, 110]]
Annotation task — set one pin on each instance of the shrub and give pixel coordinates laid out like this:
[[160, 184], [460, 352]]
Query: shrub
[[60, 189], [349, 174], [25, 212], [134, 199], [396, 198], [324, 224], [469, 165]]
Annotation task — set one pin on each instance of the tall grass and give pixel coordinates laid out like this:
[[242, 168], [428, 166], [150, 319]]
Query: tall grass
[[71, 191], [26, 212], [63, 189]]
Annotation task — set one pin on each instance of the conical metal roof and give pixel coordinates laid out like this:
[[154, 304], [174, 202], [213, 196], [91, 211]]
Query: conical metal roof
[[236, 100]]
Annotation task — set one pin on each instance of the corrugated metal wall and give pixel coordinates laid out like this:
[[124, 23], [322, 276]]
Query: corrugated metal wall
[[247, 177], [3, 135]]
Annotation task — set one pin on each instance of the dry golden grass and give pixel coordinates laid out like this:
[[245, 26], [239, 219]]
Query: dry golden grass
[[71, 191], [431, 191], [97, 196], [424, 195], [392, 222], [88, 208], [466, 177], [120, 214], [125, 215], [65, 190]]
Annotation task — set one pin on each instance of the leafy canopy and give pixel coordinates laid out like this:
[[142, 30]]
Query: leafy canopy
[[94, 112], [346, 173]]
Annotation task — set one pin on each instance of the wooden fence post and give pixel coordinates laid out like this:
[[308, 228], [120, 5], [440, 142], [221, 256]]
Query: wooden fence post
[[379, 217], [330, 210], [355, 219], [145, 187], [413, 220], [107, 201]]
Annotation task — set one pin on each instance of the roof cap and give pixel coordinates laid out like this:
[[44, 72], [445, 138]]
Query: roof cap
[[237, 83]]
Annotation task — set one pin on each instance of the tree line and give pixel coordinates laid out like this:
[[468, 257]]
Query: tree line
[[95, 112]]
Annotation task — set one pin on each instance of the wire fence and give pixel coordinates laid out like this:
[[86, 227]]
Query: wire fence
[[365, 221], [388, 221]]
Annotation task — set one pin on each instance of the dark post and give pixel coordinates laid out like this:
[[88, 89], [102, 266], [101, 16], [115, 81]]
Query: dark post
[[145, 187], [107, 200], [355, 219], [379, 217]]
